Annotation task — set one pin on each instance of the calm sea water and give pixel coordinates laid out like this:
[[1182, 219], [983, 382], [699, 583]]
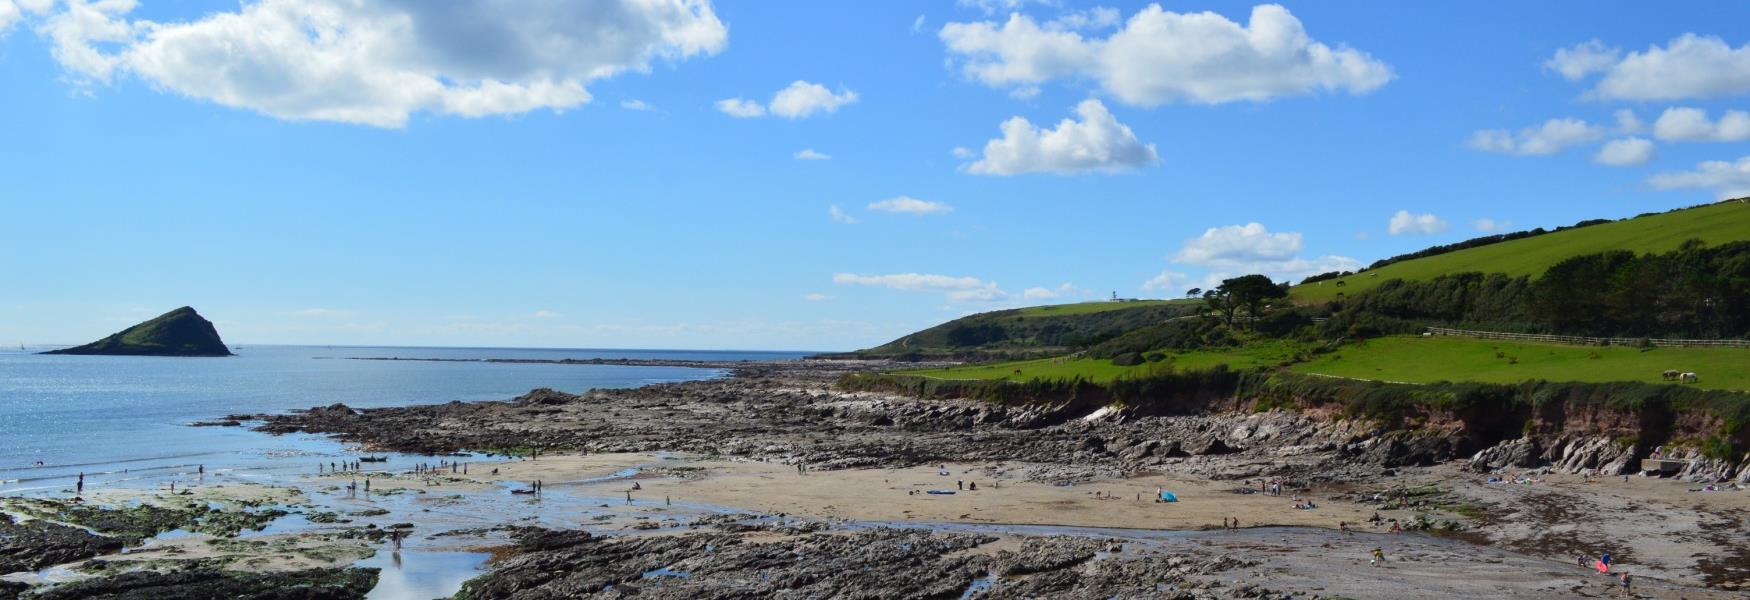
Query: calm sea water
[[120, 419]]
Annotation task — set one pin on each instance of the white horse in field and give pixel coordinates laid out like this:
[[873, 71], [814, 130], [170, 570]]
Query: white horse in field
[[1689, 378]]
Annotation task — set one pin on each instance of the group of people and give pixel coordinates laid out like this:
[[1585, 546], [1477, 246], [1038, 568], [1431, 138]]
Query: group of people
[[340, 467], [1603, 564]]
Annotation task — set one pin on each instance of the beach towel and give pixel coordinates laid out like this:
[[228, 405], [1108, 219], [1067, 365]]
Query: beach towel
[[1169, 497], [941, 492]]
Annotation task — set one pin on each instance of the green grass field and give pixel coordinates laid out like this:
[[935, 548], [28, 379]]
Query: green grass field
[[1088, 308], [1417, 359], [1713, 224], [1261, 354]]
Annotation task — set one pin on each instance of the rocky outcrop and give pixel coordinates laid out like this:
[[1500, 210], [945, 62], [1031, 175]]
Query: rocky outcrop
[[313, 584], [1522, 453], [874, 563], [35, 544], [181, 332]]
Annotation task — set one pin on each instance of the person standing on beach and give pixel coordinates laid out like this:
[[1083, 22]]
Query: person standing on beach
[[81, 487], [628, 497], [1627, 585]]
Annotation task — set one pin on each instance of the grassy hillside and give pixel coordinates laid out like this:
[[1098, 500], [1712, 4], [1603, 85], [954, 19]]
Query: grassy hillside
[[1415, 359], [1715, 223], [1265, 353], [1035, 331]]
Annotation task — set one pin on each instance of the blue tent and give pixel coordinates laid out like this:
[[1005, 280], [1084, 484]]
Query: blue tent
[[1168, 497]]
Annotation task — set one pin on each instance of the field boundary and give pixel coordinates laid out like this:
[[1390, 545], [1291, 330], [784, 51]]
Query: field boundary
[[1582, 340]]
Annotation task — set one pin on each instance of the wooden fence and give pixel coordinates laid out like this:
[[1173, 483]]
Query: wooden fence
[[1590, 341]]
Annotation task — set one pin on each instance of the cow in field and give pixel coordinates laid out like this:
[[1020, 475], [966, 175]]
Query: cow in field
[[1689, 378], [1671, 374]]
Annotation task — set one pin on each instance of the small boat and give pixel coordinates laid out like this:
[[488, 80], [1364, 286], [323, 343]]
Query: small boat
[[373, 459], [522, 491]]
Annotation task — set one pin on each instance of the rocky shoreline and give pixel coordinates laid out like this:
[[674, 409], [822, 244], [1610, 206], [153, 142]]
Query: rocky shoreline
[[1046, 539]]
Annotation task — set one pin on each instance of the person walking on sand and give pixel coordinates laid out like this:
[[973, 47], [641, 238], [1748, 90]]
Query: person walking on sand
[[628, 497], [1627, 584], [960, 485]]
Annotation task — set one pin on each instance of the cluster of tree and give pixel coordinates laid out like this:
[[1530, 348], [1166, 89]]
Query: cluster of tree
[[1493, 301], [1179, 334], [1325, 275], [1250, 292], [1694, 291]]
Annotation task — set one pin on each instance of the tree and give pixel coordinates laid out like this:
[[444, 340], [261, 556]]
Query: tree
[[1251, 291], [1193, 292], [1221, 302]]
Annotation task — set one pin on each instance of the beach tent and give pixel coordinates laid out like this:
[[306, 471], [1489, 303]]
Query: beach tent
[[1167, 496]]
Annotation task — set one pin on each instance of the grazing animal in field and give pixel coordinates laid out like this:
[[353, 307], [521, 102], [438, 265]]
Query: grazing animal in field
[[1671, 374], [1689, 378]]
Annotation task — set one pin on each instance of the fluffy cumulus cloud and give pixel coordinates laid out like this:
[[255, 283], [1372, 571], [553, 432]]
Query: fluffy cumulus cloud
[[799, 100], [962, 289], [1405, 223], [910, 205], [378, 63], [1170, 281], [810, 154], [1690, 66], [1551, 137], [1626, 152], [1726, 179], [1235, 250], [1094, 143], [1693, 125], [1159, 56]]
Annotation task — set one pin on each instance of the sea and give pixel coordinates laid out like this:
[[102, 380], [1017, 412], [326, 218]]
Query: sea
[[126, 419]]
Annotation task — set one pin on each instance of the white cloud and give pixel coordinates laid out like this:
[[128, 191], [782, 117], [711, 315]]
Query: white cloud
[[1235, 250], [810, 154], [1626, 152], [839, 215], [816, 297], [1251, 242], [1690, 66], [1159, 56], [803, 99], [1693, 125], [378, 63], [1061, 291], [545, 314], [1551, 137], [1627, 122], [800, 99], [1097, 143], [1173, 282], [960, 289], [741, 108], [9, 14], [1488, 225], [962, 152], [1404, 223], [1099, 17], [636, 104], [910, 205], [917, 25], [1726, 179], [1576, 62]]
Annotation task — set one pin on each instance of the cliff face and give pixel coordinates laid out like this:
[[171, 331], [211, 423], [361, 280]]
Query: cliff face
[[181, 332]]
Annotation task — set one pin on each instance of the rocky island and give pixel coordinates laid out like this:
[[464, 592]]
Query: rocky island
[[181, 332]]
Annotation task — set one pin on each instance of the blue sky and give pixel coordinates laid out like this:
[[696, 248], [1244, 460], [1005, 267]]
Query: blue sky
[[321, 172]]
